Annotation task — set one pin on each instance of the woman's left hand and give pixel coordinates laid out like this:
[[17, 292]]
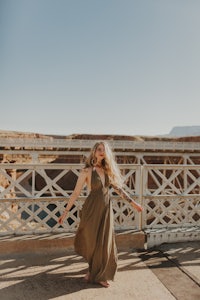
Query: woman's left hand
[[137, 206]]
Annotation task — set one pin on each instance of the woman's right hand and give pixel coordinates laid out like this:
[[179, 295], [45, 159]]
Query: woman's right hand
[[62, 217]]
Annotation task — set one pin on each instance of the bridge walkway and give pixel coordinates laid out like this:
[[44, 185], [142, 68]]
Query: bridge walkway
[[165, 272]]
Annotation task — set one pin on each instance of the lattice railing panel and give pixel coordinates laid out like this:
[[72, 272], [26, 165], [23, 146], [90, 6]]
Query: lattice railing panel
[[41, 215], [171, 211], [38, 180], [35, 216], [52, 180], [171, 180], [31, 199], [15, 187], [124, 215], [131, 175]]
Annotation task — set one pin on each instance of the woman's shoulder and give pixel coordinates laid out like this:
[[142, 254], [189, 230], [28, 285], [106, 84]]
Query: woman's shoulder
[[86, 170]]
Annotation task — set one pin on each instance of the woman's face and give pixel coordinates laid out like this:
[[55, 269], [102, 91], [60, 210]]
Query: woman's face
[[100, 152]]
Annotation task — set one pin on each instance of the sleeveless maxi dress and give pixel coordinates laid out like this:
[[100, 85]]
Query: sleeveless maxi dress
[[94, 239]]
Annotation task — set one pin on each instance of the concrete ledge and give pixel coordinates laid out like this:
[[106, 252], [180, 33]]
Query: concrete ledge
[[156, 237], [126, 241], [130, 239]]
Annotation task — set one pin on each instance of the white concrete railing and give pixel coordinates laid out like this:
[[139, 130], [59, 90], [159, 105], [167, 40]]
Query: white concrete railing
[[35, 194], [171, 197]]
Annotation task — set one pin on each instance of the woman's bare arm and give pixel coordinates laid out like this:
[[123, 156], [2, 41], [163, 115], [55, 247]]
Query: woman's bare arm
[[82, 179], [121, 192]]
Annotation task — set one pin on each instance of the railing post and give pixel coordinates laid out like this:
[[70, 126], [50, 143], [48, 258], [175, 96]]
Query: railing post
[[141, 197], [144, 188], [139, 192]]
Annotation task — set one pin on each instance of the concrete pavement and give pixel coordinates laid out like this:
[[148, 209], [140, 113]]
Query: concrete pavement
[[170, 271]]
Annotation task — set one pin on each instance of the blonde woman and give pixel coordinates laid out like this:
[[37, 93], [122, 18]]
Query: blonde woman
[[94, 239]]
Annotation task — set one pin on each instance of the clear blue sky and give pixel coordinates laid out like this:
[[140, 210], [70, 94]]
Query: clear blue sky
[[127, 67]]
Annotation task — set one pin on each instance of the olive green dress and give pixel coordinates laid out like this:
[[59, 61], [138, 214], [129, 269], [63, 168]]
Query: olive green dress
[[94, 239]]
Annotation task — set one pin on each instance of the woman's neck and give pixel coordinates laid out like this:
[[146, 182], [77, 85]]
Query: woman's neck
[[98, 164]]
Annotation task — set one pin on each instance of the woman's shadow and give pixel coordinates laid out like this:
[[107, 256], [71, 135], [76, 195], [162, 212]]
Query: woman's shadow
[[40, 277]]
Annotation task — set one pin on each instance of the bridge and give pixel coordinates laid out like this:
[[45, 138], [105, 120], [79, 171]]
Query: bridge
[[37, 177]]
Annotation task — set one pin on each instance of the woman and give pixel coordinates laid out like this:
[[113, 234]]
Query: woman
[[94, 239]]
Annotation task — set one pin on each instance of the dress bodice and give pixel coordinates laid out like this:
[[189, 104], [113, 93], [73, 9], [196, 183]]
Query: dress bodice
[[96, 181]]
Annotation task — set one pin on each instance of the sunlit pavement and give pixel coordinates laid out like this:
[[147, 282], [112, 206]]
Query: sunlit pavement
[[171, 271]]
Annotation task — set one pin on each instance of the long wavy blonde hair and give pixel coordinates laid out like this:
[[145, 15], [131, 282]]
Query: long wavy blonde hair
[[109, 164]]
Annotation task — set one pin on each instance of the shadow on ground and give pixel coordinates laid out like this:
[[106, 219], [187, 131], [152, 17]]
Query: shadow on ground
[[45, 276]]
